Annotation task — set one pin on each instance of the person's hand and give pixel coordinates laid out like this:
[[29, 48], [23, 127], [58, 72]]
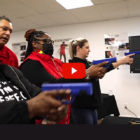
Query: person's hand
[[97, 71], [125, 60], [47, 105]]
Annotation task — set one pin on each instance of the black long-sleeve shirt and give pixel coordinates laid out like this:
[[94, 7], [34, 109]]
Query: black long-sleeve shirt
[[93, 101]]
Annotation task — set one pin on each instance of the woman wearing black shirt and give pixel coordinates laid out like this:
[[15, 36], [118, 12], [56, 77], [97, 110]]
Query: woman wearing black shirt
[[84, 108]]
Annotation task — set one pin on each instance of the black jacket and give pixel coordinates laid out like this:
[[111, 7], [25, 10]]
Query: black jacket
[[13, 111], [93, 101]]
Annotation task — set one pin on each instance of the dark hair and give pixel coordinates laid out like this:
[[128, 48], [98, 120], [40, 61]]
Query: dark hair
[[32, 36], [5, 18], [73, 45]]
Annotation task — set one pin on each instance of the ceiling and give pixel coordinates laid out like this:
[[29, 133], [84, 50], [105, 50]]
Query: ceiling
[[27, 14]]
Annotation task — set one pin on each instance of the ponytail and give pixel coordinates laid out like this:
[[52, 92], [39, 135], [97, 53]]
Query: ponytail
[[71, 49], [73, 45]]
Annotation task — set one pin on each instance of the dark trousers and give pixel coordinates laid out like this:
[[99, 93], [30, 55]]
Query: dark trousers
[[83, 116], [63, 56]]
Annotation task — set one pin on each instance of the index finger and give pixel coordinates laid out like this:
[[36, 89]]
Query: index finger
[[131, 55], [58, 93]]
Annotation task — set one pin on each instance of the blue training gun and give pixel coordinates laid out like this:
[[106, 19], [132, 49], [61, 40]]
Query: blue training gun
[[133, 52], [109, 60], [76, 89]]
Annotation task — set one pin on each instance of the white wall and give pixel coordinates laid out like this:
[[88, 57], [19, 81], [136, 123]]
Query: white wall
[[125, 86]]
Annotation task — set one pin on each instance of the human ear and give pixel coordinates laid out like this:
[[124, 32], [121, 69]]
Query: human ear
[[78, 48]]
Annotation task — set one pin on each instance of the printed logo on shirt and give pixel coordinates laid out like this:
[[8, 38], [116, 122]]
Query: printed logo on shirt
[[10, 92]]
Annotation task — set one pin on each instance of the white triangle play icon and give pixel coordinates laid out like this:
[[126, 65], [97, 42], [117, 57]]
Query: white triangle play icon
[[73, 70]]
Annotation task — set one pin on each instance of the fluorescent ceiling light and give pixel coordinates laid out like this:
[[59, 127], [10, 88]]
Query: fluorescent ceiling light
[[72, 4]]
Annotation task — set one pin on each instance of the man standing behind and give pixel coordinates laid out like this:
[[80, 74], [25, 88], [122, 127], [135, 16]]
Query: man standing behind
[[62, 51], [6, 55]]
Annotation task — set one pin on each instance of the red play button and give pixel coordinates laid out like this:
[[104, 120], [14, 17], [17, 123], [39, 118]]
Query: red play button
[[73, 70]]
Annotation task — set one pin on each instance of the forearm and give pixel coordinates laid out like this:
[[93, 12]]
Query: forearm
[[125, 60], [118, 63]]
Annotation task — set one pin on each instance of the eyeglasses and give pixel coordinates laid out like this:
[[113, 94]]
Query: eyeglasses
[[46, 40]]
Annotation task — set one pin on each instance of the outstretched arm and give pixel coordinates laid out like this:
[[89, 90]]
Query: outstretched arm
[[125, 60]]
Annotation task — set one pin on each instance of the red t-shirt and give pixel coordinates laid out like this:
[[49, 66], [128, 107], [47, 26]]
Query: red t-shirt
[[62, 48], [8, 57]]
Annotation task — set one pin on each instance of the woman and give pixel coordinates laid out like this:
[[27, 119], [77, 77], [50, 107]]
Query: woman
[[84, 110], [39, 66]]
